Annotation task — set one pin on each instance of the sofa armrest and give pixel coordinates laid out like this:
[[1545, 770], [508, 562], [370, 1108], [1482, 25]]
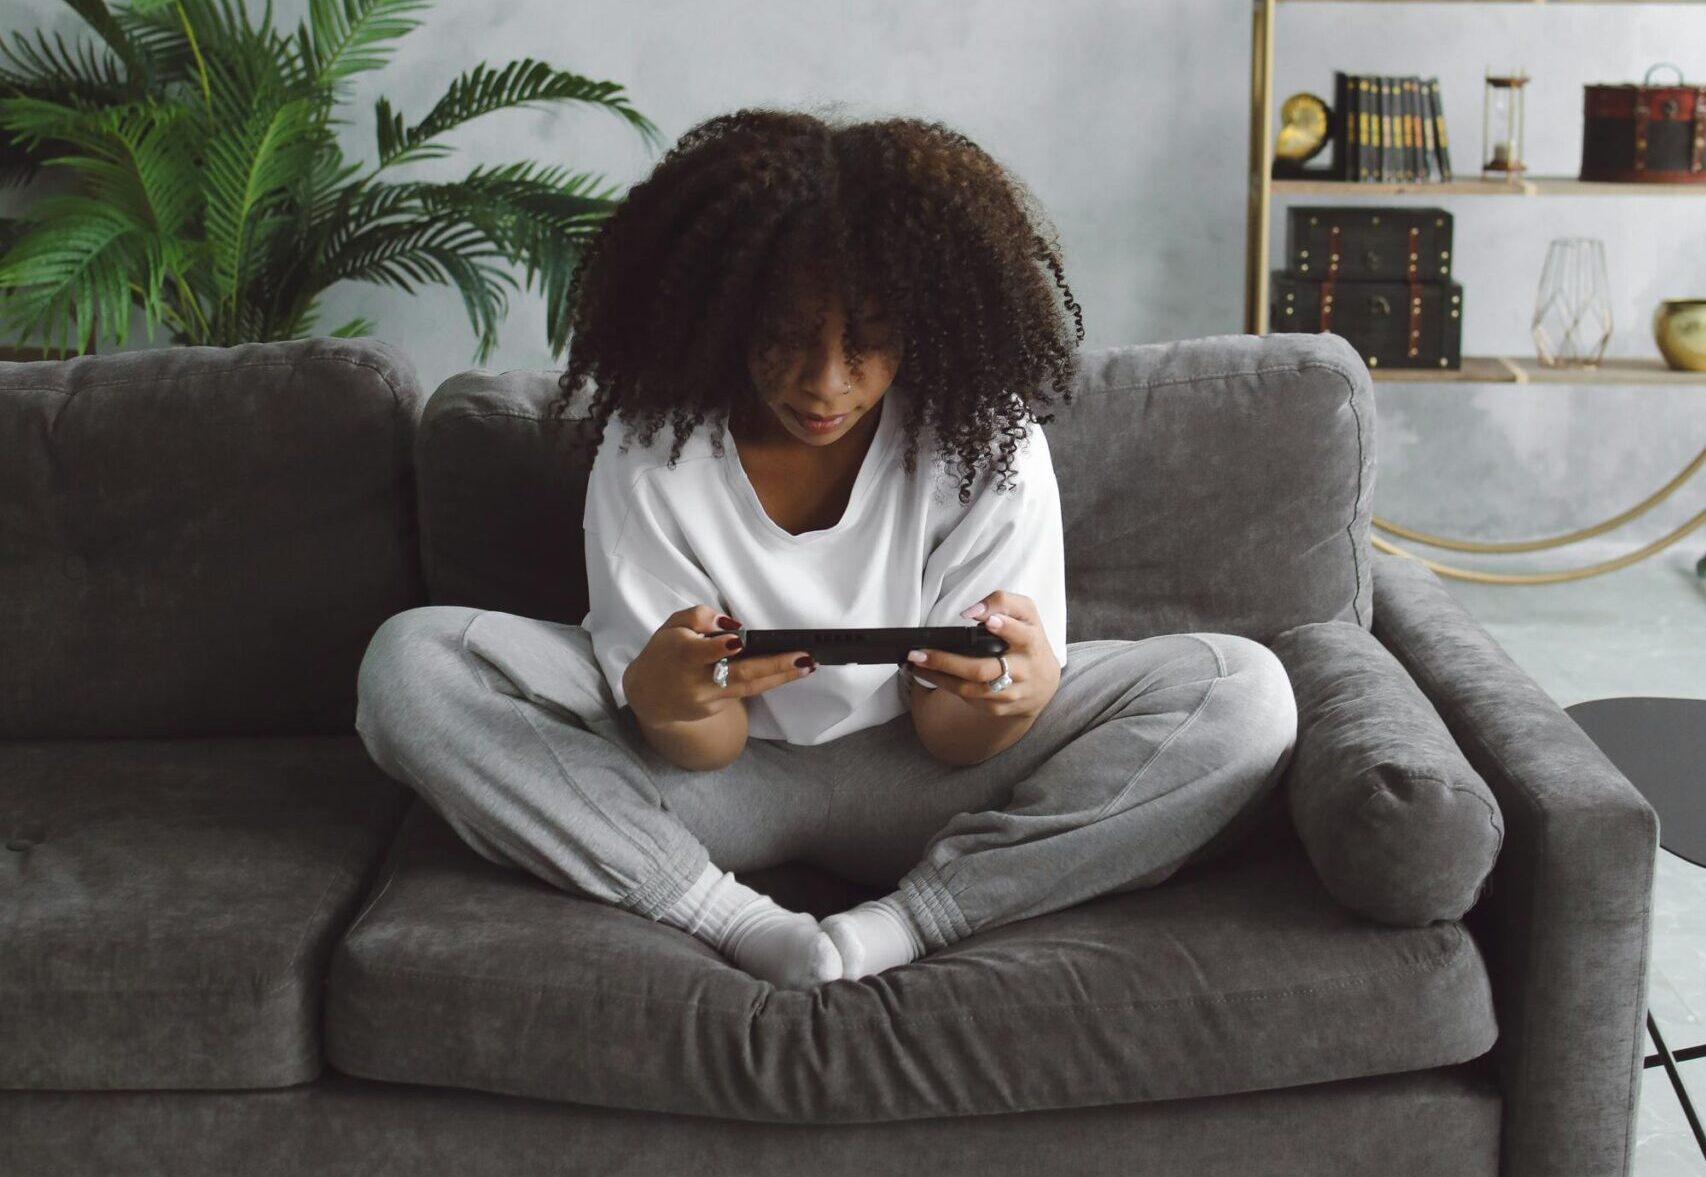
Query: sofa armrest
[[1566, 923]]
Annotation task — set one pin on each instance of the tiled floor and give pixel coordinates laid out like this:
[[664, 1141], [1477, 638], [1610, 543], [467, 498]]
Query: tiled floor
[[1638, 631]]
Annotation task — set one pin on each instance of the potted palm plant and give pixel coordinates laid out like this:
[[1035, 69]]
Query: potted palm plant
[[210, 191]]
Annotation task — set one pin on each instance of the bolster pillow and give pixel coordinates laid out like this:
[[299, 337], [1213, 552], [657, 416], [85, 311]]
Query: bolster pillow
[[1397, 824]]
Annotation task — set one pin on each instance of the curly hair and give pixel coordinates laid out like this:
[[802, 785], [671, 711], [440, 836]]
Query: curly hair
[[683, 280]]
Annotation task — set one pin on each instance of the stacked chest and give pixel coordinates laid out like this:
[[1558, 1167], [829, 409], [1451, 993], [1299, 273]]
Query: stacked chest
[[1378, 276]]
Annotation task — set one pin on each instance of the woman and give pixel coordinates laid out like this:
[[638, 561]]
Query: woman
[[888, 277]]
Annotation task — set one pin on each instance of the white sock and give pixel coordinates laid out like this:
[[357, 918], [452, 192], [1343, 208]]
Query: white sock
[[875, 935], [786, 948]]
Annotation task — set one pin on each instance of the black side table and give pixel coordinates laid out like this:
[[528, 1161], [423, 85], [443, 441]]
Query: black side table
[[1660, 745]]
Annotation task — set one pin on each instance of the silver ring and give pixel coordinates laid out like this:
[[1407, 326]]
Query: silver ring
[[720, 672], [1003, 680]]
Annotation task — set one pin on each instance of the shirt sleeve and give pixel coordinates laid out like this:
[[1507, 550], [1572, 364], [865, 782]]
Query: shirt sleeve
[[627, 605], [1009, 540], [636, 574]]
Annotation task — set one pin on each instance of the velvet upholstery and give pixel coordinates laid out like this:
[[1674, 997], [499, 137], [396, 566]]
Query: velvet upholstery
[[201, 540], [1414, 1124], [1567, 920], [197, 544], [1396, 823], [1216, 484], [1238, 978], [167, 906]]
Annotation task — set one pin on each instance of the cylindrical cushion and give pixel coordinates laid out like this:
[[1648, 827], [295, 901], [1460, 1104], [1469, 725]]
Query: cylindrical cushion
[[1397, 824]]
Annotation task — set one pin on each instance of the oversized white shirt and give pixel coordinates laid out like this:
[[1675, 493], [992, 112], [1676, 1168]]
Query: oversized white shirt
[[904, 553]]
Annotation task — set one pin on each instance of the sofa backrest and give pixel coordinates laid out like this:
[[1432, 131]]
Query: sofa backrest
[[201, 540], [1222, 484]]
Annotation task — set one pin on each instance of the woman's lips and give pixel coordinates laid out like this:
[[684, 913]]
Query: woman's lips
[[818, 424]]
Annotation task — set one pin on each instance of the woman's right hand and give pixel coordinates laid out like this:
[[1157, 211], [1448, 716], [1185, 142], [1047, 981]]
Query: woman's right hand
[[669, 681]]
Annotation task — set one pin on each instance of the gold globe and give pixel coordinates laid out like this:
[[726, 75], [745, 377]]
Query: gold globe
[[1305, 125], [1679, 327]]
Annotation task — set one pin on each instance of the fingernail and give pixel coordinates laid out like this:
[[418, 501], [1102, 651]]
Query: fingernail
[[916, 656], [727, 622], [994, 622], [805, 660], [732, 645], [975, 611]]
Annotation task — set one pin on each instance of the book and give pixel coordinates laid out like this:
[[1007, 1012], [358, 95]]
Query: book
[[1407, 168], [1430, 156], [1372, 103], [1388, 127], [1377, 92], [1440, 138], [1363, 109], [1413, 128], [1344, 131], [1408, 171]]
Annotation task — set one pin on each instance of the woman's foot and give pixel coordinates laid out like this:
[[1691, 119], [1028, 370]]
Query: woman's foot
[[873, 936], [786, 948]]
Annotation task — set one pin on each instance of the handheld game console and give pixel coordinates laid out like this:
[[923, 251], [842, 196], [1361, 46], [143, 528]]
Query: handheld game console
[[838, 647]]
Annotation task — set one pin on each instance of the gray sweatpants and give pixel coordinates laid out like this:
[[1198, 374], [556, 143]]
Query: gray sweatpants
[[1151, 752]]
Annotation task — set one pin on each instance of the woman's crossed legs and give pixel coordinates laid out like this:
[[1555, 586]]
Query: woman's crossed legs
[[1150, 752]]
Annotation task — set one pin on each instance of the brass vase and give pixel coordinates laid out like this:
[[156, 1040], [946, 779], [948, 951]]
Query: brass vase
[[1679, 328]]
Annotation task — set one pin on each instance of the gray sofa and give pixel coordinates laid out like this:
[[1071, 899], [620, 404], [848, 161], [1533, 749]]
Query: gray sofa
[[229, 944]]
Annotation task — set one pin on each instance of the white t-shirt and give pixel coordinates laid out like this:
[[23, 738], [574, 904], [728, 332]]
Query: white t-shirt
[[905, 552]]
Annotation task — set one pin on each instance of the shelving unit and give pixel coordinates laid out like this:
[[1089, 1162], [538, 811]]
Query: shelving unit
[[1475, 369]]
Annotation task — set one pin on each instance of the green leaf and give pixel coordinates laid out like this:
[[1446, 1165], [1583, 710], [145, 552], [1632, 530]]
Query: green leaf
[[482, 91], [70, 273], [356, 326], [248, 163], [345, 37], [101, 20]]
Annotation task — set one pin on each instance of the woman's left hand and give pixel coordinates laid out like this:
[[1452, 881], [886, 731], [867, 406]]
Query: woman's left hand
[[1031, 663]]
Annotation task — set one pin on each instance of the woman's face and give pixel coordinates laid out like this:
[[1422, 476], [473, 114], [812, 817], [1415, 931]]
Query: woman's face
[[805, 375]]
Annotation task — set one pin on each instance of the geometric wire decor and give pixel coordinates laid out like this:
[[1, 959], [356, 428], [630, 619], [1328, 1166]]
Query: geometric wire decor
[[1572, 309]]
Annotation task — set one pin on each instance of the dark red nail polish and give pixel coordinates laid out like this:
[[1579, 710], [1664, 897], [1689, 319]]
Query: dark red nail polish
[[728, 622], [805, 660], [732, 645]]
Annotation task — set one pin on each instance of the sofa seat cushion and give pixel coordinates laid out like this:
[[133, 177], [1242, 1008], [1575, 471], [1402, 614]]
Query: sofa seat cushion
[[167, 905], [1239, 974]]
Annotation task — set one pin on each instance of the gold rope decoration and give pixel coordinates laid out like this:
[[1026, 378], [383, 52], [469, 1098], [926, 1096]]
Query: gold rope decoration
[[1622, 561], [1534, 545]]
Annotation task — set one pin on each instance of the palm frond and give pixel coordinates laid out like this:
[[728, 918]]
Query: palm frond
[[250, 162], [69, 275], [482, 90], [88, 69], [160, 41], [100, 18], [396, 254], [356, 326], [344, 37]]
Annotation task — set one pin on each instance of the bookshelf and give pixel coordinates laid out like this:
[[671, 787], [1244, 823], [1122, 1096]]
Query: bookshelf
[[1476, 369], [1613, 370]]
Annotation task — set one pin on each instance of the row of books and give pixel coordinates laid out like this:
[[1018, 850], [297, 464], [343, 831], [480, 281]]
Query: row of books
[[1389, 129]]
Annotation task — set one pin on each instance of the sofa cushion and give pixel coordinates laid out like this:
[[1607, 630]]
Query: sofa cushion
[[1241, 975], [1397, 823], [200, 541], [167, 906], [1222, 484]]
